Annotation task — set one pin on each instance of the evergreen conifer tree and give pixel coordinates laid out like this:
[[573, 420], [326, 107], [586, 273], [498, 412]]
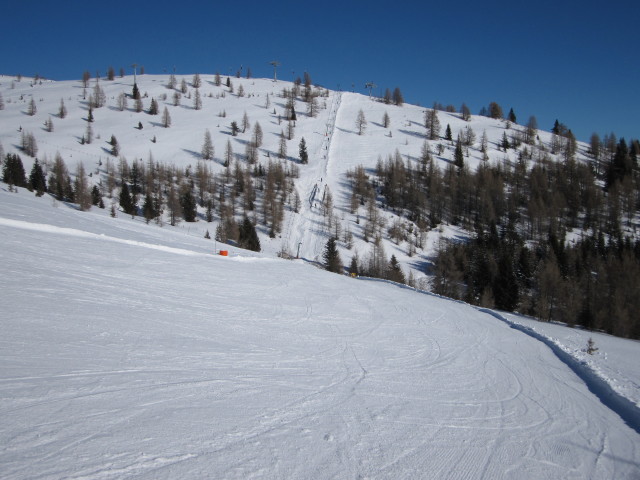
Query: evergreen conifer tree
[[115, 147], [37, 180], [331, 256], [353, 267], [505, 286], [96, 197], [458, 155], [394, 271], [248, 237], [136, 93], [126, 202], [148, 208], [153, 107], [188, 204], [505, 142], [13, 171], [304, 156], [621, 164]]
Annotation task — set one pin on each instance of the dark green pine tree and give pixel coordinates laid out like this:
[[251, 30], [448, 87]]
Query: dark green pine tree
[[126, 202], [136, 93], [621, 164], [188, 204], [304, 156], [353, 267], [331, 256], [447, 133], [505, 285], [505, 142], [634, 151], [115, 147], [69, 191], [394, 271], [148, 208], [248, 237], [13, 171], [153, 107], [90, 115], [512, 116], [96, 197], [37, 180], [458, 157]]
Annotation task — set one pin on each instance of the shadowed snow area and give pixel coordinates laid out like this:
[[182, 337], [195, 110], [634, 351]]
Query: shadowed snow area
[[130, 350]]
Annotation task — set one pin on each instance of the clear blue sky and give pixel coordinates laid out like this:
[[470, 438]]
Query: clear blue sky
[[577, 61]]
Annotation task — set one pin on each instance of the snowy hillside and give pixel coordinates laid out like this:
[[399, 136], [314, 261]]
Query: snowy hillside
[[131, 350], [332, 139]]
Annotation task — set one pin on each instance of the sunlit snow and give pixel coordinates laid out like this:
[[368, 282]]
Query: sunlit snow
[[122, 356]]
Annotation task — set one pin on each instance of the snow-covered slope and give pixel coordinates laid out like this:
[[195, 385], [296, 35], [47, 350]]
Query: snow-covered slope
[[130, 350], [333, 143]]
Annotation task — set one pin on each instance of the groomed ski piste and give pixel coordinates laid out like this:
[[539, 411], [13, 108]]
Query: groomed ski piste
[[134, 351]]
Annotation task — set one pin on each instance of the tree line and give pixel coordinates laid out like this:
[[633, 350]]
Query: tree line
[[257, 193], [552, 236]]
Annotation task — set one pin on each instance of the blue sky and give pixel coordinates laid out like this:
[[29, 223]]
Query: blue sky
[[576, 61]]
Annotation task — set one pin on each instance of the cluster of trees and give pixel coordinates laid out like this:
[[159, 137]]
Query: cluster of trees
[[395, 98], [246, 189], [375, 265], [60, 184], [258, 192], [591, 282], [553, 236], [305, 92], [111, 74]]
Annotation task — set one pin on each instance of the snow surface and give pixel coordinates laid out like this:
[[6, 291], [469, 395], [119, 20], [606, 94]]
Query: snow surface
[[132, 351], [333, 144]]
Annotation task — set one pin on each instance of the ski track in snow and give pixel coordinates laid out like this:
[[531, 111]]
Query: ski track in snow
[[306, 229], [122, 359]]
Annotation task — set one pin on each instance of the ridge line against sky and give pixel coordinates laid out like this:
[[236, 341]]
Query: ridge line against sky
[[572, 61]]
